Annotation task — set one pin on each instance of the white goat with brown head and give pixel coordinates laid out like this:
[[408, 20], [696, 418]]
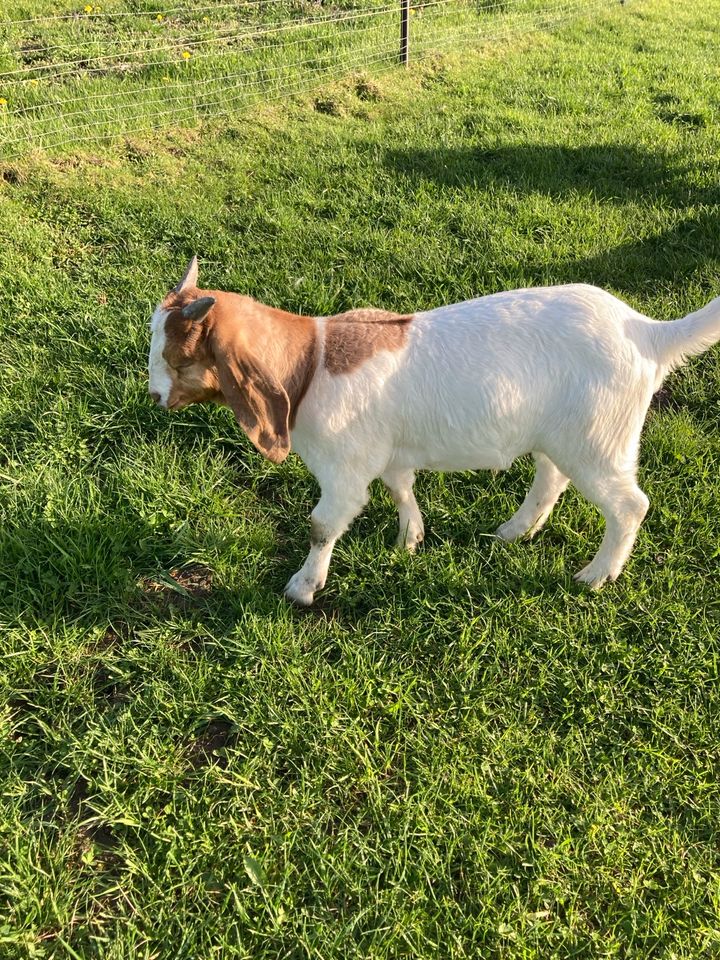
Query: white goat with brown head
[[565, 373]]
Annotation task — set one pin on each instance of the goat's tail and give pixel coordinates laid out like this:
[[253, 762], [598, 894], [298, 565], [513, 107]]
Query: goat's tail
[[693, 334]]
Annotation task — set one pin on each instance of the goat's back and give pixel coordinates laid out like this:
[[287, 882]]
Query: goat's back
[[478, 383]]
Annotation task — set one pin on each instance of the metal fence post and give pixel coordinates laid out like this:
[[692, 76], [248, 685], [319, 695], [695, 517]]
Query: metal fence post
[[404, 32]]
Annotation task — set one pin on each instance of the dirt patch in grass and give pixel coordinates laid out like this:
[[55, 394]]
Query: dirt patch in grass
[[12, 176], [182, 587], [365, 89], [210, 745], [94, 830], [330, 106], [107, 687], [196, 579], [114, 636], [76, 161], [33, 52]]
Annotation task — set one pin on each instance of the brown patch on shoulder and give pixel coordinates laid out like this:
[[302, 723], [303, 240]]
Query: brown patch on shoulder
[[354, 337]]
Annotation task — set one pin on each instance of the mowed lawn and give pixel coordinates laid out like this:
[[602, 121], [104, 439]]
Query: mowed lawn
[[460, 754]]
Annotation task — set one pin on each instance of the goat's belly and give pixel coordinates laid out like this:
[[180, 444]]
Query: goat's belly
[[449, 460]]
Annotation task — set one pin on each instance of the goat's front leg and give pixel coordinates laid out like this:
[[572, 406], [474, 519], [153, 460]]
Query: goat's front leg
[[336, 509]]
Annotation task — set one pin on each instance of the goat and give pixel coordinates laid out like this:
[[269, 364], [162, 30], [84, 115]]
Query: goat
[[565, 373]]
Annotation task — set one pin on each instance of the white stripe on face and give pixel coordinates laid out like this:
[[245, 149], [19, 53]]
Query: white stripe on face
[[160, 380]]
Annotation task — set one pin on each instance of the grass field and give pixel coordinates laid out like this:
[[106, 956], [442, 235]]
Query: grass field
[[460, 754], [89, 71]]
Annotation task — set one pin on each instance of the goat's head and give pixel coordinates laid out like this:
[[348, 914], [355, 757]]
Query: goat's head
[[223, 348], [181, 366]]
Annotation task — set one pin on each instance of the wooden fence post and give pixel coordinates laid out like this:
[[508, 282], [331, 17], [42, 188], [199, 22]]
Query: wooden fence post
[[404, 32]]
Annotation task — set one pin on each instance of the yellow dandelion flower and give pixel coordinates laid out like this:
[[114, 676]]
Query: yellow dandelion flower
[[186, 54], [3, 102], [206, 20], [34, 83], [159, 17], [88, 8]]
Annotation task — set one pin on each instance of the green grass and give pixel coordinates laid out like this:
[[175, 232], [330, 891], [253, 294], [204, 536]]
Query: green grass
[[455, 755], [87, 72]]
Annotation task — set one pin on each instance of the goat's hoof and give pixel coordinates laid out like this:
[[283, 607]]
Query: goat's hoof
[[510, 531], [299, 591], [410, 542], [593, 575]]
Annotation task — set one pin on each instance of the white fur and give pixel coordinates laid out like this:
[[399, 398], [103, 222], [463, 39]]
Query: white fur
[[565, 373], [160, 375]]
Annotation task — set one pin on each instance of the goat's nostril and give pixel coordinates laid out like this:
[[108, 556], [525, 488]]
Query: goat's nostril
[[155, 397]]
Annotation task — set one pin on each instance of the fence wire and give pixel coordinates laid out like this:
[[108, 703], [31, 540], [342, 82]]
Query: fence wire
[[119, 73]]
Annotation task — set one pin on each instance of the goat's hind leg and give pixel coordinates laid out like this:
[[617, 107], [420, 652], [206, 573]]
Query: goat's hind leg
[[400, 485], [537, 506], [624, 505], [336, 509]]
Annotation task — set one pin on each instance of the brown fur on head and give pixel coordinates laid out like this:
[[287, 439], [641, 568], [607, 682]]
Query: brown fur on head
[[188, 350], [211, 346]]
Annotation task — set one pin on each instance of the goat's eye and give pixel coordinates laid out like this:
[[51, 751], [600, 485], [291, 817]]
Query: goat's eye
[[178, 367]]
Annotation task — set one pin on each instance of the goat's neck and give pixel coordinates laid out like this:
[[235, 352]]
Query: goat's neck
[[285, 343], [295, 354]]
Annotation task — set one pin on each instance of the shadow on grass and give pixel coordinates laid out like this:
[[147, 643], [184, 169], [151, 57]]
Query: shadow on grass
[[122, 575], [670, 256], [611, 174], [98, 572], [608, 172]]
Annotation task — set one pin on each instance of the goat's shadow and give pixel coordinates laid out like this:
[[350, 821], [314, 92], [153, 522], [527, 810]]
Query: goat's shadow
[[50, 572], [616, 175]]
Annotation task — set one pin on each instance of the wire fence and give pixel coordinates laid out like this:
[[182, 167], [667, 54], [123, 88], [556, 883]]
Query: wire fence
[[93, 74]]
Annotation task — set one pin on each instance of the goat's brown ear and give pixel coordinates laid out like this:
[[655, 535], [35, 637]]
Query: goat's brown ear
[[259, 402], [191, 277], [197, 310]]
